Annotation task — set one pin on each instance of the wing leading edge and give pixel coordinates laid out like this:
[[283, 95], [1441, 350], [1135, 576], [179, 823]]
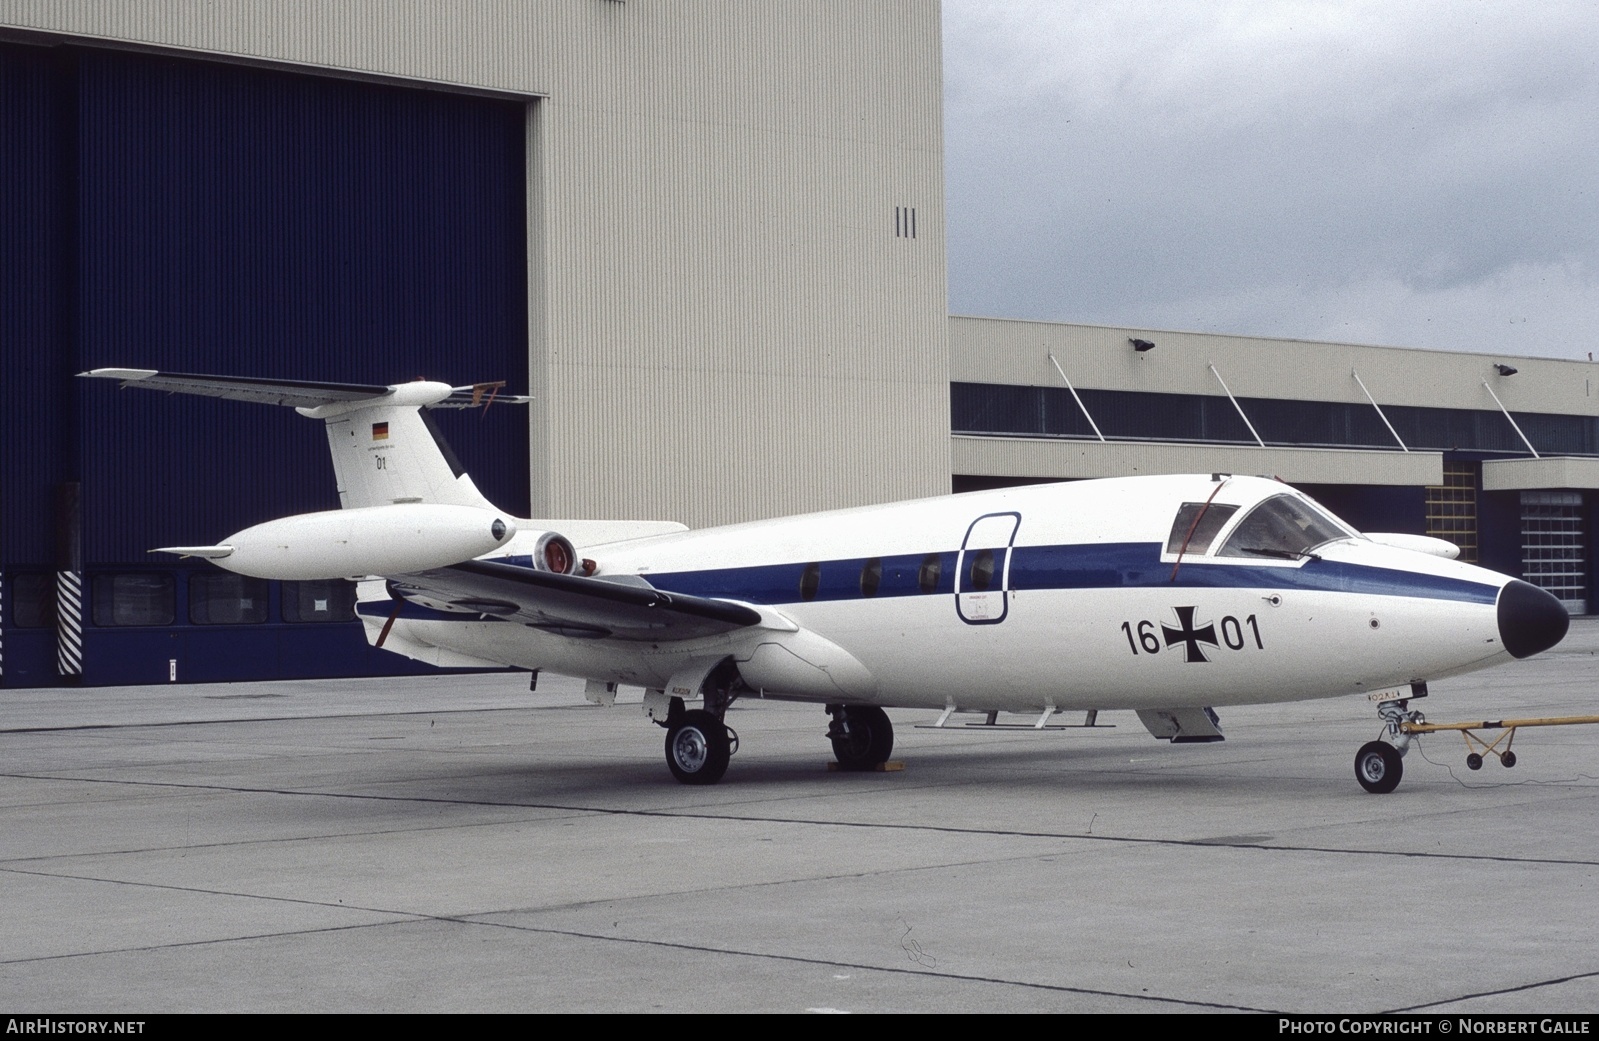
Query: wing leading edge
[[570, 605]]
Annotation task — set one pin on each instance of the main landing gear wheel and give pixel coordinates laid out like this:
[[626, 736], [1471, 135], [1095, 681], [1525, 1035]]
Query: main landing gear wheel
[[1507, 760], [862, 736], [1378, 767], [1473, 761], [698, 747]]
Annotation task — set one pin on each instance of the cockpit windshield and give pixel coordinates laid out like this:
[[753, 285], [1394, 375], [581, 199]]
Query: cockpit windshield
[[1283, 526], [1196, 526]]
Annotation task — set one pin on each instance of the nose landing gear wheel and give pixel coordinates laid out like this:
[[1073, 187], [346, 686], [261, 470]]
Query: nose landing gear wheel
[[1378, 767], [698, 747]]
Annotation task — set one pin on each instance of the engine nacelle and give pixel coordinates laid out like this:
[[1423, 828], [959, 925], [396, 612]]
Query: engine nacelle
[[371, 540], [543, 551]]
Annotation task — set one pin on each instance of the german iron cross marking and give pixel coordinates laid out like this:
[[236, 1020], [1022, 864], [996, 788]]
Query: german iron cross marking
[[1188, 635]]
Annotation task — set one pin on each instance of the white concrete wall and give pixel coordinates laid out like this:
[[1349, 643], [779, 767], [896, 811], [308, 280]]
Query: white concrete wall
[[1074, 459], [996, 350]]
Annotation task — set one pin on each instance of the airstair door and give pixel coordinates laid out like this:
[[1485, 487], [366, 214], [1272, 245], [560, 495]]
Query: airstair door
[[982, 570]]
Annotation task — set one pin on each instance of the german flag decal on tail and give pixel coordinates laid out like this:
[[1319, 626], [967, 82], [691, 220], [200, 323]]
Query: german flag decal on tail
[[380, 431]]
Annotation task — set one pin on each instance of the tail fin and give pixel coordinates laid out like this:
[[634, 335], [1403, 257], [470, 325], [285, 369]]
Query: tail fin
[[385, 448]]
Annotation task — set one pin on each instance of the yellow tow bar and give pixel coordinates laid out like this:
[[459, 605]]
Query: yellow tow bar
[[1478, 746]]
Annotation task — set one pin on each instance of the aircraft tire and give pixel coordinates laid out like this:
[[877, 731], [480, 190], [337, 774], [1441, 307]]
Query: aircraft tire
[[1508, 760], [1473, 761], [698, 748], [1378, 767], [870, 741]]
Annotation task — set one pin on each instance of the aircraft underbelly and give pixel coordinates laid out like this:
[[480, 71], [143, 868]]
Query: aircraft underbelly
[[1074, 649], [1128, 649]]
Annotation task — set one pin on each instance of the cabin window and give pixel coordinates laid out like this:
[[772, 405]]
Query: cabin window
[[1203, 521], [135, 599], [33, 601], [1284, 526], [981, 574], [871, 576], [331, 600], [810, 581], [222, 598], [929, 573]]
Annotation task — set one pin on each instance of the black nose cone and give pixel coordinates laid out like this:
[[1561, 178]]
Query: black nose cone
[[1530, 620]]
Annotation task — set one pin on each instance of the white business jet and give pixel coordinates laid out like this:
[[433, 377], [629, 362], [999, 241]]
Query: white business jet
[[1166, 596]]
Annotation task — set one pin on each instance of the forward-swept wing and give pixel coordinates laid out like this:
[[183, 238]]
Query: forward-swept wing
[[627, 608]]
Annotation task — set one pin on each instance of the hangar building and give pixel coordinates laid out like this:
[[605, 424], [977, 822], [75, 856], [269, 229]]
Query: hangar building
[[707, 237], [1499, 455]]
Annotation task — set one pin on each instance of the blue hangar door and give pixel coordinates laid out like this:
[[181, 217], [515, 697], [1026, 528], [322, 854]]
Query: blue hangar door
[[201, 217]]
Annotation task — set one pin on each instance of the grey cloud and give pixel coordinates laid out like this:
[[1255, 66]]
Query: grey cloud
[[1242, 162]]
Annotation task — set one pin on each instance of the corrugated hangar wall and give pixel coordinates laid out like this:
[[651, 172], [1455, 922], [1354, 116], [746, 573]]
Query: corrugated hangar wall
[[198, 216], [734, 328], [721, 224], [721, 270], [267, 223]]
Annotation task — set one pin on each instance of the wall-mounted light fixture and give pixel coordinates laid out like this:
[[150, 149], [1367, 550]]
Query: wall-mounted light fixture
[[1505, 370], [1140, 345]]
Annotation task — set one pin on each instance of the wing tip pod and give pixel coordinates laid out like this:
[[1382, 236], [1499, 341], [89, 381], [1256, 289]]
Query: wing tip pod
[[318, 399]]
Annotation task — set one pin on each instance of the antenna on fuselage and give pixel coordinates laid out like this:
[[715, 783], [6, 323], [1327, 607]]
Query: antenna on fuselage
[[1220, 480]]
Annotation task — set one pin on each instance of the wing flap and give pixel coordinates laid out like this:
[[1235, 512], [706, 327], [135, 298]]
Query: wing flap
[[571, 605]]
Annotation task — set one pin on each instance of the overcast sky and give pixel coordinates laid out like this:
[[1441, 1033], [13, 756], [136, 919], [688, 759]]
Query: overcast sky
[[1423, 174]]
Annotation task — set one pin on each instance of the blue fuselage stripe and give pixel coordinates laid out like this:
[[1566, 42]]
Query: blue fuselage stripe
[[1125, 565]]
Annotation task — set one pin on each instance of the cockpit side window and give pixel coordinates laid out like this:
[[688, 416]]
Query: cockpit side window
[[1211, 518], [1283, 526]]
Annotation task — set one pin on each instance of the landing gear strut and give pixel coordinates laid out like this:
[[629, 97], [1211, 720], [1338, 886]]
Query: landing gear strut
[[698, 743], [1379, 765], [862, 736]]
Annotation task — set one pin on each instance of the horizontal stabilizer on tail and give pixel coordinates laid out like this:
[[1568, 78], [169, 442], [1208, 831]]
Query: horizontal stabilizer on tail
[[301, 394], [385, 447]]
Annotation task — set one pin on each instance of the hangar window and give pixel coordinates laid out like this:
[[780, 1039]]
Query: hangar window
[[1196, 525], [1283, 526], [871, 576], [33, 601], [929, 573], [222, 598], [1554, 546], [135, 599], [810, 581], [1452, 509], [325, 601]]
